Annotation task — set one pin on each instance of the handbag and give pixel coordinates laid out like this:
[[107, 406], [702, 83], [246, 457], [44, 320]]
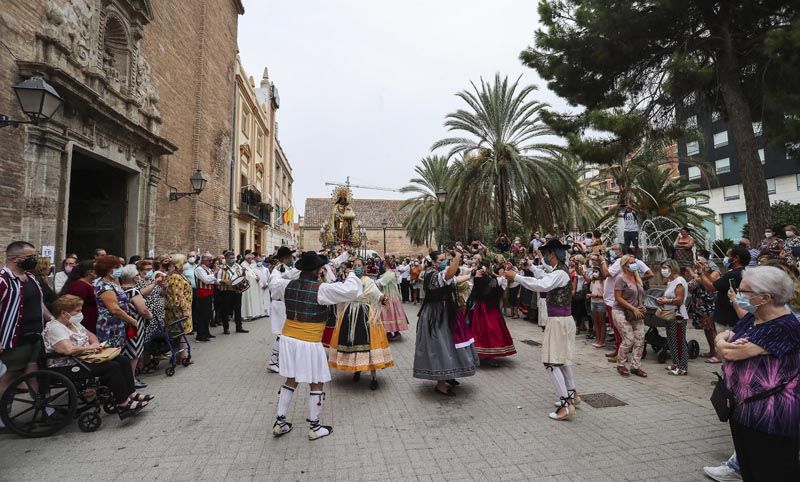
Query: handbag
[[725, 402], [103, 355], [668, 315]]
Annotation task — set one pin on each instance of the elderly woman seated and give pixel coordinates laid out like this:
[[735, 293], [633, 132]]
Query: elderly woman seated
[[66, 336]]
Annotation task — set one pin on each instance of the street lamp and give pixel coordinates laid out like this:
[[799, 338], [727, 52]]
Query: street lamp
[[384, 223], [441, 195], [363, 231], [37, 99], [198, 180]]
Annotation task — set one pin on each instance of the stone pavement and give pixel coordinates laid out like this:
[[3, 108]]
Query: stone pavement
[[212, 421]]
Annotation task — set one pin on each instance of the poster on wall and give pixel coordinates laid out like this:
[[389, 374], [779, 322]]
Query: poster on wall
[[50, 253]]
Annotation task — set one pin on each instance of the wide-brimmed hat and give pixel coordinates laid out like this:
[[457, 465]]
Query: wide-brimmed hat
[[310, 261], [283, 252], [553, 245]]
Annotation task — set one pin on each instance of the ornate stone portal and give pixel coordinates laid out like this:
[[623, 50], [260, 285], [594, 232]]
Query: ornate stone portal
[[341, 227]]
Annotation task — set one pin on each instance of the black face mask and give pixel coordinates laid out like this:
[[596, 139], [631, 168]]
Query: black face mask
[[29, 264]]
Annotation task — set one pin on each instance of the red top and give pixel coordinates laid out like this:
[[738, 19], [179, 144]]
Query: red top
[[85, 291]]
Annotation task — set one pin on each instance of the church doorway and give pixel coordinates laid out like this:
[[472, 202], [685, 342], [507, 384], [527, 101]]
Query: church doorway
[[98, 207]]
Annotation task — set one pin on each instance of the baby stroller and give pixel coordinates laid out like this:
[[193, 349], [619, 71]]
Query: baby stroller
[[653, 338], [167, 341]]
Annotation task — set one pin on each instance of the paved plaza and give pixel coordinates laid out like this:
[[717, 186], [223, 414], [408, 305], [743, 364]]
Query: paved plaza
[[213, 421]]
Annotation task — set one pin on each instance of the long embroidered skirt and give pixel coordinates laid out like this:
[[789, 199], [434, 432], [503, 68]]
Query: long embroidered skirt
[[357, 344], [436, 356], [492, 339], [330, 326], [393, 316]]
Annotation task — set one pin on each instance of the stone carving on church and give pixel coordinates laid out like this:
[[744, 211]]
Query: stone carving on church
[[341, 227], [70, 25]]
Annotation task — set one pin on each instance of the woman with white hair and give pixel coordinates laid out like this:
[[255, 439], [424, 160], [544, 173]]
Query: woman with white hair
[[134, 344], [762, 360]]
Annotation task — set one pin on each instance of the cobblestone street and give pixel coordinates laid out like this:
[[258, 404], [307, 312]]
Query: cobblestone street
[[212, 421]]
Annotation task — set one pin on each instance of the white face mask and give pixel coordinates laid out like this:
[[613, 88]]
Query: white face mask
[[665, 272], [767, 235], [191, 259], [789, 234], [76, 319]]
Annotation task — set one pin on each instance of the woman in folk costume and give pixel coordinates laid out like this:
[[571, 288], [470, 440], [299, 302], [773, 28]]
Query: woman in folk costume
[[393, 315], [492, 339], [558, 345], [359, 341], [303, 358], [445, 347], [252, 306]]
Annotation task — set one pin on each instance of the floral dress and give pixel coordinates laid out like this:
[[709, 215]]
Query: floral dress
[[179, 301], [771, 247], [110, 328], [702, 301], [793, 242], [155, 303]]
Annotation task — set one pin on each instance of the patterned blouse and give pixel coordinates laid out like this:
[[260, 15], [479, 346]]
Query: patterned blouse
[[178, 301], [771, 247], [110, 328], [778, 414]]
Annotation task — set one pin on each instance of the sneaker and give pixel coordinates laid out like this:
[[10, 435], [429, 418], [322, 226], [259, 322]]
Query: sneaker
[[139, 385], [677, 371], [281, 427], [317, 431], [722, 473], [273, 367]]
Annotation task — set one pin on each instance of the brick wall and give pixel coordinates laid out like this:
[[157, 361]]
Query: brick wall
[[397, 243]]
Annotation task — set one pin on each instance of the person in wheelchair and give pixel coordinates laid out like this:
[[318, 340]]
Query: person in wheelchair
[[65, 335]]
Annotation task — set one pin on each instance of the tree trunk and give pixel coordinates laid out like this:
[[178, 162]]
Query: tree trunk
[[759, 214], [501, 199]]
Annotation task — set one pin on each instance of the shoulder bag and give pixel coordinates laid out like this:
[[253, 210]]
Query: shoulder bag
[[725, 402]]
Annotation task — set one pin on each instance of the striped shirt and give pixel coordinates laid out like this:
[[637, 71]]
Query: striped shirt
[[11, 307], [227, 274]]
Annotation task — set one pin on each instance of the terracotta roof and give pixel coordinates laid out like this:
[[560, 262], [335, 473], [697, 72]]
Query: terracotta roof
[[369, 211]]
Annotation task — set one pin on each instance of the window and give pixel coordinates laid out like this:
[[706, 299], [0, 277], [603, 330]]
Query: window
[[703, 197], [721, 139], [797, 181], [762, 155], [771, 186], [694, 172], [691, 122], [245, 121], [692, 148], [731, 193], [715, 116], [757, 129], [259, 141], [722, 166]]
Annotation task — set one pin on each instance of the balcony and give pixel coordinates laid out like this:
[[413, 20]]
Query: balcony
[[250, 204]]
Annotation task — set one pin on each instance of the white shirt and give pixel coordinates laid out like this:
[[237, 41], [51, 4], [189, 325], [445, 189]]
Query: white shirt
[[613, 271], [670, 293], [204, 274], [630, 220], [55, 332], [59, 280], [541, 281], [333, 293], [404, 272]]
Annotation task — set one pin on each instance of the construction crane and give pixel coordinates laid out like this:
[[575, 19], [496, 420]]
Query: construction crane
[[347, 184]]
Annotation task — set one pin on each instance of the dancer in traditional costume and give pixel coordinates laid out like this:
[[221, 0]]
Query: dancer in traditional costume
[[492, 339], [330, 277], [445, 347], [393, 315], [359, 341], [558, 346], [303, 358], [277, 309]]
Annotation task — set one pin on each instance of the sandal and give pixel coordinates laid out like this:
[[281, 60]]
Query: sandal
[[452, 382], [130, 409], [448, 393], [623, 371], [639, 372], [713, 359], [138, 397]]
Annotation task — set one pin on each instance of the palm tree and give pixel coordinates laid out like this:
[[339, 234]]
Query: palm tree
[[423, 213], [501, 149], [658, 193]]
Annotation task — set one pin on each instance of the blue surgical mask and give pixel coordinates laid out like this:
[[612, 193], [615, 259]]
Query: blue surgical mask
[[149, 274], [727, 262], [117, 272], [744, 303], [612, 256], [359, 271], [633, 268], [442, 265], [230, 261]]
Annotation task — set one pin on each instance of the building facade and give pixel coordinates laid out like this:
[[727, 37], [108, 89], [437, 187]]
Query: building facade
[[717, 151], [146, 90]]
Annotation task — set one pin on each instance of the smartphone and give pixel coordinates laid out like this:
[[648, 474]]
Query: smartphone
[[730, 283]]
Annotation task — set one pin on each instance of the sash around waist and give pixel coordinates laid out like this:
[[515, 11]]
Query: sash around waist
[[310, 332], [559, 310]]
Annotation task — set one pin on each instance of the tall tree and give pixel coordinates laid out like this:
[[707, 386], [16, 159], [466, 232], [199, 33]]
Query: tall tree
[[423, 212], [649, 56], [503, 143]]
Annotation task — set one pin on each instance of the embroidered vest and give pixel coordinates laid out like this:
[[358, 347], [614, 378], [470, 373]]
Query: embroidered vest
[[560, 296], [301, 301]]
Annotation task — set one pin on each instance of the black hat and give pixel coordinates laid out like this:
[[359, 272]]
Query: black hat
[[310, 261], [283, 252], [553, 245]]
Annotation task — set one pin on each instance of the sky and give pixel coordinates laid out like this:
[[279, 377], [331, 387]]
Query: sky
[[365, 84]]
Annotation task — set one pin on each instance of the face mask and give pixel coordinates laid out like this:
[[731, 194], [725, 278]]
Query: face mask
[[767, 235], [665, 272], [230, 261], [744, 303], [149, 274], [726, 262], [633, 268], [442, 265], [117, 273], [612, 256], [191, 259], [68, 269], [789, 234], [359, 271], [29, 264], [76, 319]]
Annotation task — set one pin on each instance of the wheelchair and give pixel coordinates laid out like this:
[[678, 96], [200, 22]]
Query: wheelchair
[[42, 402]]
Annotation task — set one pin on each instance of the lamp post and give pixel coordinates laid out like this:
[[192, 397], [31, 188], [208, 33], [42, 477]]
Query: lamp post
[[37, 99], [198, 181], [363, 231], [384, 223], [441, 195]]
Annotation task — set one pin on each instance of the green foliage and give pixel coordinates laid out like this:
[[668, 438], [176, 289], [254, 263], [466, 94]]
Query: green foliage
[[720, 247], [423, 212], [783, 213]]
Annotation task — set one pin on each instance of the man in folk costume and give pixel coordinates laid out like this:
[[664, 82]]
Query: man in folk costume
[[277, 308], [303, 358], [230, 275], [558, 345]]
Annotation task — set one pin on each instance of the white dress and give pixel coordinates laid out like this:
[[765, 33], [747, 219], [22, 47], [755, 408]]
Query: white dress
[[263, 284], [252, 306]]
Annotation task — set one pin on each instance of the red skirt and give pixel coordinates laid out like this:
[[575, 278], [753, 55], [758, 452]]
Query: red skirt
[[492, 339]]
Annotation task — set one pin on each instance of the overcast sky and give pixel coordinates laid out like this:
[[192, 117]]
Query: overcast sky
[[365, 84]]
